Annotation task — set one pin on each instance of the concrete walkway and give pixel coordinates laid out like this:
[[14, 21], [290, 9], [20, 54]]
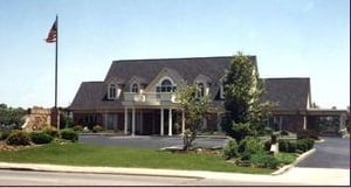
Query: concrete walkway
[[298, 176]]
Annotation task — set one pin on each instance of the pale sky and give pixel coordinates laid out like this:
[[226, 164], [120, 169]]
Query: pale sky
[[291, 38]]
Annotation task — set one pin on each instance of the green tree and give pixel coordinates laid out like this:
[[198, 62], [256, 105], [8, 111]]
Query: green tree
[[245, 112], [11, 116], [195, 108]]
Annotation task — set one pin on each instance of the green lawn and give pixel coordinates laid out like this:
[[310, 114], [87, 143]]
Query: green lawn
[[93, 155]]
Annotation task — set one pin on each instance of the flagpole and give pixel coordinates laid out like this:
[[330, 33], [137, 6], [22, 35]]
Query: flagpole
[[56, 63]]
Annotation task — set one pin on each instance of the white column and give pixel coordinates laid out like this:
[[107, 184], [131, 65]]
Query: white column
[[183, 121], [304, 122], [133, 121], [162, 123], [125, 120], [170, 122]]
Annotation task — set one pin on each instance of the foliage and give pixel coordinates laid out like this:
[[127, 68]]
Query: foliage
[[262, 160], [66, 120], [245, 113], [250, 146], [303, 145], [52, 131], [285, 158], [195, 109], [303, 134], [284, 133], [40, 138], [18, 138], [9, 115], [69, 134], [230, 150], [78, 128], [97, 128], [4, 135]]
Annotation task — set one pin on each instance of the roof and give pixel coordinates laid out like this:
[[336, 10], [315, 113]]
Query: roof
[[187, 68], [92, 96], [289, 93]]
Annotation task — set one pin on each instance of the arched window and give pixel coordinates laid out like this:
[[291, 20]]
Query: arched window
[[200, 89], [135, 88], [166, 86], [112, 91]]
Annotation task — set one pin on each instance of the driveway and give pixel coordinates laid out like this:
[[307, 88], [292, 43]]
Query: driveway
[[148, 141], [332, 153]]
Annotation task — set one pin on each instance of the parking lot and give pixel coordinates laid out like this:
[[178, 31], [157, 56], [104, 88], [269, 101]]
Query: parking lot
[[148, 141]]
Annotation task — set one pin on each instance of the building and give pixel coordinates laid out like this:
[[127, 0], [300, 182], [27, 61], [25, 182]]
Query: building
[[137, 96]]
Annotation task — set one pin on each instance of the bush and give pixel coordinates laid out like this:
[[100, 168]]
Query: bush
[[97, 128], [230, 150], [284, 133], [52, 132], [264, 161], [78, 128], [4, 135], [288, 146], [40, 138], [303, 134], [249, 146], [18, 138], [267, 145], [69, 134], [304, 144]]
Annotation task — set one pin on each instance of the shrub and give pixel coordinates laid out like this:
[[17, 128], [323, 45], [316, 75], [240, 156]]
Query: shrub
[[264, 161], [304, 144], [267, 145], [78, 128], [284, 133], [97, 128], [52, 132], [303, 134], [268, 131], [4, 135], [249, 146], [40, 138], [285, 158], [69, 134], [291, 147], [288, 146], [230, 150], [18, 138]]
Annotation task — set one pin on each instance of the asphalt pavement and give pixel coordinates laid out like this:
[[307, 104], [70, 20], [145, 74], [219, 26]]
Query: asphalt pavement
[[332, 153]]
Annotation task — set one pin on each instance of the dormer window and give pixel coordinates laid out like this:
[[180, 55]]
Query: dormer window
[[112, 93], [200, 89], [166, 86], [135, 88]]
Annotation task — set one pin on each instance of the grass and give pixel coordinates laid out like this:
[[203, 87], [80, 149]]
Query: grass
[[93, 155]]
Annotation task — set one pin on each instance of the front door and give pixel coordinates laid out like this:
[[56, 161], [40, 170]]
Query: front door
[[111, 122]]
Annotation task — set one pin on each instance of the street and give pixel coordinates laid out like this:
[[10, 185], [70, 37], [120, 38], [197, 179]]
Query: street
[[21, 178]]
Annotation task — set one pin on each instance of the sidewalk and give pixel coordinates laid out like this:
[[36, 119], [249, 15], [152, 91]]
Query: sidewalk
[[300, 176]]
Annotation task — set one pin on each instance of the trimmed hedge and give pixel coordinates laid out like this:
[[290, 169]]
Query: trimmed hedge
[[304, 134], [77, 128], [40, 138], [97, 128], [264, 161], [69, 134], [18, 138], [292, 146]]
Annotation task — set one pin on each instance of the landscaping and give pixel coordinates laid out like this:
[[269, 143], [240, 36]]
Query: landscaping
[[92, 155]]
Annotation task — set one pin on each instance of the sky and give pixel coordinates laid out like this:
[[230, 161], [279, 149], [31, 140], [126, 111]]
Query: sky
[[291, 38]]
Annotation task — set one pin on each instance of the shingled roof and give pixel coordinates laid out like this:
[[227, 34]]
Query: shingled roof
[[289, 93]]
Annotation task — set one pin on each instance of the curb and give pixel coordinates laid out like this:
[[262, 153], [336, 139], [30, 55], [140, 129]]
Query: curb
[[299, 159], [97, 170]]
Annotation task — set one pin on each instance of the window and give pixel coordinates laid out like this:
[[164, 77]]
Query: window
[[112, 91], [200, 90], [221, 91], [166, 86], [135, 88]]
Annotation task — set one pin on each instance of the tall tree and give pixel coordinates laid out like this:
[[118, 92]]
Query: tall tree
[[245, 112], [195, 108]]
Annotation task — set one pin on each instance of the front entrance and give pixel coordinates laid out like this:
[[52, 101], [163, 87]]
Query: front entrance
[[111, 122]]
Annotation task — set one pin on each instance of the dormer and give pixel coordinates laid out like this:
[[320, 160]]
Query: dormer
[[113, 89], [203, 84], [167, 80], [136, 85]]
